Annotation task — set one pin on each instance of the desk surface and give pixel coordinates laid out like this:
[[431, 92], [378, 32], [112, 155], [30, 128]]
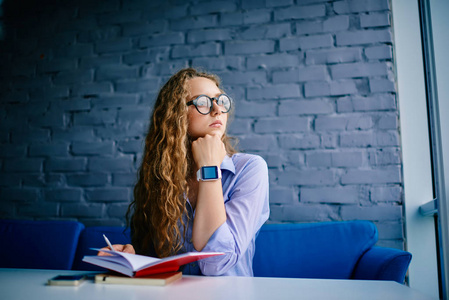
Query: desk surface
[[31, 284]]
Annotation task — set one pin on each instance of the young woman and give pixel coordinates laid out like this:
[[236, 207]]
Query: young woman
[[194, 192]]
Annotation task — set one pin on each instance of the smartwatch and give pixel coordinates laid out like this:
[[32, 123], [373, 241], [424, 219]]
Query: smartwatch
[[208, 173]]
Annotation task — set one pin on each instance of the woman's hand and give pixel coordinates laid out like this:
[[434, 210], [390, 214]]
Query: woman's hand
[[128, 248], [208, 150]]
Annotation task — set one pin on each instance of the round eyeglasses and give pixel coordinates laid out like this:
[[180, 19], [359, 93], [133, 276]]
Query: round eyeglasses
[[204, 105]]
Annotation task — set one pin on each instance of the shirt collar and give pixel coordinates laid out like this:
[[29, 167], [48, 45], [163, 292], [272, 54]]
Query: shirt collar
[[228, 164]]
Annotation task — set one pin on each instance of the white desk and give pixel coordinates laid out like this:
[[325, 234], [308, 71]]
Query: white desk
[[31, 284]]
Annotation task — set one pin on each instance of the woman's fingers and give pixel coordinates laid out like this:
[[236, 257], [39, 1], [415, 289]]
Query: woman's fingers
[[128, 248]]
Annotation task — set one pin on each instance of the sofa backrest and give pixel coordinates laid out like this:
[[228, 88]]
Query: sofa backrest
[[312, 250], [38, 244], [92, 237]]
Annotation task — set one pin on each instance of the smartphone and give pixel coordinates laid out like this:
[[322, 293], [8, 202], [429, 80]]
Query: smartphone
[[67, 280]]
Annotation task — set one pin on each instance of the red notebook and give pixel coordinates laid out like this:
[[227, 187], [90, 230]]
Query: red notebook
[[135, 265]]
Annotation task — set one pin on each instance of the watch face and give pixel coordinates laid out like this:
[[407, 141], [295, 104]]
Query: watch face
[[209, 172]]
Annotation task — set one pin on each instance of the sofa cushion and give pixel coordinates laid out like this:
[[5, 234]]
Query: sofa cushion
[[312, 250], [38, 244], [92, 237]]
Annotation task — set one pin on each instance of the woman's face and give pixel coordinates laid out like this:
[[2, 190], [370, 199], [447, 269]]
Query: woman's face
[[212, 123]]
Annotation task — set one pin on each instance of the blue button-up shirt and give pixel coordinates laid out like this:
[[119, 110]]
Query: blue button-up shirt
[[245, 194]]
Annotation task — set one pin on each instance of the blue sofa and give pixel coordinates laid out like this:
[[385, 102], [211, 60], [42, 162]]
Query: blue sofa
[[333, 250]]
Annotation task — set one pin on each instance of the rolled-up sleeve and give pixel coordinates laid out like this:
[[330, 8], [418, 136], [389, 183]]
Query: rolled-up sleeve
[[247, 208]]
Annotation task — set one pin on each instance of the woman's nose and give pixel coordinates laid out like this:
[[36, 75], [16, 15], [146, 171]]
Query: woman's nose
[[216, 110]]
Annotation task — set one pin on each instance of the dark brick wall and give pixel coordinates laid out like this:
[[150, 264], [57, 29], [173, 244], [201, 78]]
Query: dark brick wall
[[313, 82]]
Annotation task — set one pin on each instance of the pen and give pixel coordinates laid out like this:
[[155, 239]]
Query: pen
[[108, 242]]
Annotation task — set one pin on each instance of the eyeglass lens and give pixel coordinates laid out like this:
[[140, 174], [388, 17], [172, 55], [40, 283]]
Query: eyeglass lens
[[204, 103]]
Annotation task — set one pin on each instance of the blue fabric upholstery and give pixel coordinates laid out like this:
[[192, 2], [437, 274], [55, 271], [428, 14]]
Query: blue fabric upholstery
[[38, 244], [380, 263], [333, 250], [92, 237]]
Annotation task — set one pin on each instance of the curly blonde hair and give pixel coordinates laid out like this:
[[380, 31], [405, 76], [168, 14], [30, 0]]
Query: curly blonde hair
[[159, 195]]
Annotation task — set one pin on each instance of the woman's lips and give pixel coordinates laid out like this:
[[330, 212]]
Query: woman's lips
[[216, 124]]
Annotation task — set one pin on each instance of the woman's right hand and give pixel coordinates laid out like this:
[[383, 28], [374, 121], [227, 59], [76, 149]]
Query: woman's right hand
[[128, 248]]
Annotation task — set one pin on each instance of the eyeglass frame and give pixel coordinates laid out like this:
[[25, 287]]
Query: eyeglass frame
[[193, 102]]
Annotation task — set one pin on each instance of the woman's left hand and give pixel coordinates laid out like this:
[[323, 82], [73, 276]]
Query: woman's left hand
[[208, 150]]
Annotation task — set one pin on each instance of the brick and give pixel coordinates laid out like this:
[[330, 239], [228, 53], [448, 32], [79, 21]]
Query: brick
[[23, 165], [372, 213], [307, 177], [92, 89], [379, 52], [19, 194], [87, 179], [357, 139], [287, 124], [135, 86], [102, 164], [147, 56], [381, 85], [108, 195], [375, 176], [131, 146], [252, 4], [343, 123], [95, 117], [272, 61], [353, 6], [300, 12], [329, 140], [256, 109], [299, 141], [124, 179], [283, 195], [257, 143], [207, 49], [208, 35], [389, 138], [131, 114], [93, 148], [172, 38], [38, 210], [385, 157], [73, 104], [331, 195], [240, 126], [197, 22], [105, 59], [107, 33], [355, 70], [361, 37], [318, 159], [302, 213], [306, 42], [309, 27], [337, 23], [387, 122], [257, 16], [9, 180], [56, 65], [218, 63], [249, 47], [244, 78], [117, 210], [317, 89], [12, 150], [71, 77], [115, 101], [390, 230], [117, 45], [50, 150], [231, 19], [374, 20], [63, 195], [342, 87], [305, 107], [346, 159], [279, 91], [82, 210], [74, 51], [301, 75], [273, 160], [205, 8], [277, 3], [263, 31], [114, 72], [65, 164], [333, 56], [379, 102], [73, 133], [139, 29], [386, 194]]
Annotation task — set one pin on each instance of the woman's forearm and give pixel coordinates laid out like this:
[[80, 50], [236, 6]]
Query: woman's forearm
[[210, 212]]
